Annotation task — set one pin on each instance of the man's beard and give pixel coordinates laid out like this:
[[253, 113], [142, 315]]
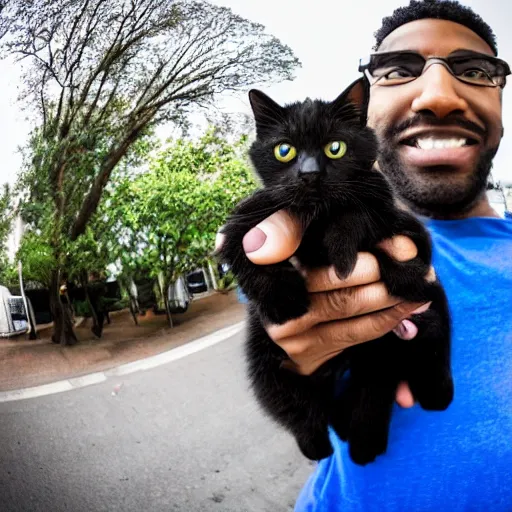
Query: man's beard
[[436, 192]]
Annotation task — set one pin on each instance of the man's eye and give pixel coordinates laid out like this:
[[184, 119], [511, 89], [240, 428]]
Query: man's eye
[[476, 75], [397, 74]]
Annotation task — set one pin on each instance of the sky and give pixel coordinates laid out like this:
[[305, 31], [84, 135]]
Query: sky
[[327, 36]]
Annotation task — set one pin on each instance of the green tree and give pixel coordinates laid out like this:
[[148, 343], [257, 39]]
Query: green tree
[[101, 74], [167, 218], [7, 269]]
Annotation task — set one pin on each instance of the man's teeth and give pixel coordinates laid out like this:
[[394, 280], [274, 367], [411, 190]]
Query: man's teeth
[[435, 143]]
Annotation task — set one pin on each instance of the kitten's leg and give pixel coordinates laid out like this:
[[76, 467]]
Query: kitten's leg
[[342, 240], [342, 409], [429, 370], [369, 428], [405, 279], [279, 290], [430, 374], [375, 382], [299, 403], [362, 412]]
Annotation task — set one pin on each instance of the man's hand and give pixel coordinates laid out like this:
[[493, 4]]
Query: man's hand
[[342, 312]]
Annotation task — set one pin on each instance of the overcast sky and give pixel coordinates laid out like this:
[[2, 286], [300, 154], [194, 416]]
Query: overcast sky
[[327, 36]]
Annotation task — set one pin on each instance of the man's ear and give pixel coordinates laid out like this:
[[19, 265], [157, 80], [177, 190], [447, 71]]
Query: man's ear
[[352, 103], [266, 111]]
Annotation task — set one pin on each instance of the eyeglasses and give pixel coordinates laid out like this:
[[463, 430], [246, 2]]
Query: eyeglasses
[[402, 67]]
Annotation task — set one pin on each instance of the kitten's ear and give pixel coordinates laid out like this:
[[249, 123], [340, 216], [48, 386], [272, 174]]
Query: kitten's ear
[[266, 111], [352, 103]]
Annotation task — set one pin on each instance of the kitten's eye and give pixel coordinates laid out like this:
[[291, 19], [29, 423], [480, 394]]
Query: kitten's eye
[[335, 149], [284, 152]]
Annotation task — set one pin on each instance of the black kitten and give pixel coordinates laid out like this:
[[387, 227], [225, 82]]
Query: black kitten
[[315, 159]]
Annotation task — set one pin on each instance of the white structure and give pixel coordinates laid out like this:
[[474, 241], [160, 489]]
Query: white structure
[[13, 317], [497, 201]]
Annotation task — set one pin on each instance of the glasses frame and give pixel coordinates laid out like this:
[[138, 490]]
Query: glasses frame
[[365, 63]]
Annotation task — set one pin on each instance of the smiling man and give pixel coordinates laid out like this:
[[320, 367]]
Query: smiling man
[[439, 135], [435, 102]]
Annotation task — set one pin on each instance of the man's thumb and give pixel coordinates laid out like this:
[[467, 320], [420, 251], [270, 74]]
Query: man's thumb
[[274, 239]]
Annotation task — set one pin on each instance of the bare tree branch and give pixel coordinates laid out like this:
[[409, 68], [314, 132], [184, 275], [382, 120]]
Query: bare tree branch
[[102, 72]]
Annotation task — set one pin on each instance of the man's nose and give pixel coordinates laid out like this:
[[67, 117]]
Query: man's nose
[[437, 93]]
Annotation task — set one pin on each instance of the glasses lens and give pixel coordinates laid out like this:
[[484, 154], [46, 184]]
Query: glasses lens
[[478, 71], [396, 68]]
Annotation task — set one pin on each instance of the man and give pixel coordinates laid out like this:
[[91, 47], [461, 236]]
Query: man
[[439, 124]]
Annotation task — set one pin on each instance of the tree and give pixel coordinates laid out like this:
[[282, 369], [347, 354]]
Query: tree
[[7, 270], [167, 218], [101, 74], [5, 215]]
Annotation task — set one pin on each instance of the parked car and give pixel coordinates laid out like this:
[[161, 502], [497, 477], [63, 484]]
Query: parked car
[[196, 282], [179, 296], [40, 300]]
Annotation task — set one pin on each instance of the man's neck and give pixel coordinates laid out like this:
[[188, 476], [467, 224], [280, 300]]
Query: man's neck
[[480, 208]]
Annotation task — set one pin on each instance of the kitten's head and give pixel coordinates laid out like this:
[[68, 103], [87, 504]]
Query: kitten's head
[[313, 151]]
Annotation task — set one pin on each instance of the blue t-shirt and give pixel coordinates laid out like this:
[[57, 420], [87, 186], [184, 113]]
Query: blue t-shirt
[[459, 459]]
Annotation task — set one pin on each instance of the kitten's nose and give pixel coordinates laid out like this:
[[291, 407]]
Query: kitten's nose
[[309, 168]]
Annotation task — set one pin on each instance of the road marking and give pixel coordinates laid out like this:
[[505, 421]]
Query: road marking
[[124, 369]]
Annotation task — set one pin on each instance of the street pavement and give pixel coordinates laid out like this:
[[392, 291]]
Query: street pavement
[[185, 436]]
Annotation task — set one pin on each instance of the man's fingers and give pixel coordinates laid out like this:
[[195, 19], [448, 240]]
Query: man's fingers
[[375, 325], [366, 270], [324, 279], [310, 349], [337, 305], [273, 240], [404, 396], [400, 248]]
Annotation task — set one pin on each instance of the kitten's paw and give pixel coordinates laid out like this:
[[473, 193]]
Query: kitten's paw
[[287, 299], [317, 447], [365, 449], [341, 426], [341, 416], [434, 395], [405, 279], [344, 264]]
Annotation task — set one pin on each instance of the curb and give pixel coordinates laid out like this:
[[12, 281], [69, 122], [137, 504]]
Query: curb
[[124, 369]]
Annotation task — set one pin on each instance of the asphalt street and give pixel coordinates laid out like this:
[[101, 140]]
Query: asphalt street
[[185, 436]]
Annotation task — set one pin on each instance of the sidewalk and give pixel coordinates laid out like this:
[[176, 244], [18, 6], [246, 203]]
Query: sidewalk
[[25, 363]]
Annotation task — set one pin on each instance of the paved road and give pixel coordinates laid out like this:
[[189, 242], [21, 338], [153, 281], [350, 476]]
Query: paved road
[[186, 436]]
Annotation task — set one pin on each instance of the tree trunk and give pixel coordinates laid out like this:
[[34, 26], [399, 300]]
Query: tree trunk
[[213, 278], [164, 289], [84, 280], [134, 304], [63, 332], [167, 309], [133, 310]]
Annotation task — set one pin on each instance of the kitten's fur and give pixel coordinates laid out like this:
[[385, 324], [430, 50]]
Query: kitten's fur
[[346, 207]]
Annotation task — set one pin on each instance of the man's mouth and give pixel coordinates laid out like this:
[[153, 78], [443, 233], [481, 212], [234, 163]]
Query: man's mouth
[[431, 142], [450, 147]]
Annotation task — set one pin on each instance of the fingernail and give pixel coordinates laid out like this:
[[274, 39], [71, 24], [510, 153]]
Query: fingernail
[[406, 330], [254, 240]]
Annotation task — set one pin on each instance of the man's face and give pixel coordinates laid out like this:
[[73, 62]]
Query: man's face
[[436, 106]]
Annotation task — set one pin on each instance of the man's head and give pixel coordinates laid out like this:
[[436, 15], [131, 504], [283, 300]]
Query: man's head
[[440, 131]]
